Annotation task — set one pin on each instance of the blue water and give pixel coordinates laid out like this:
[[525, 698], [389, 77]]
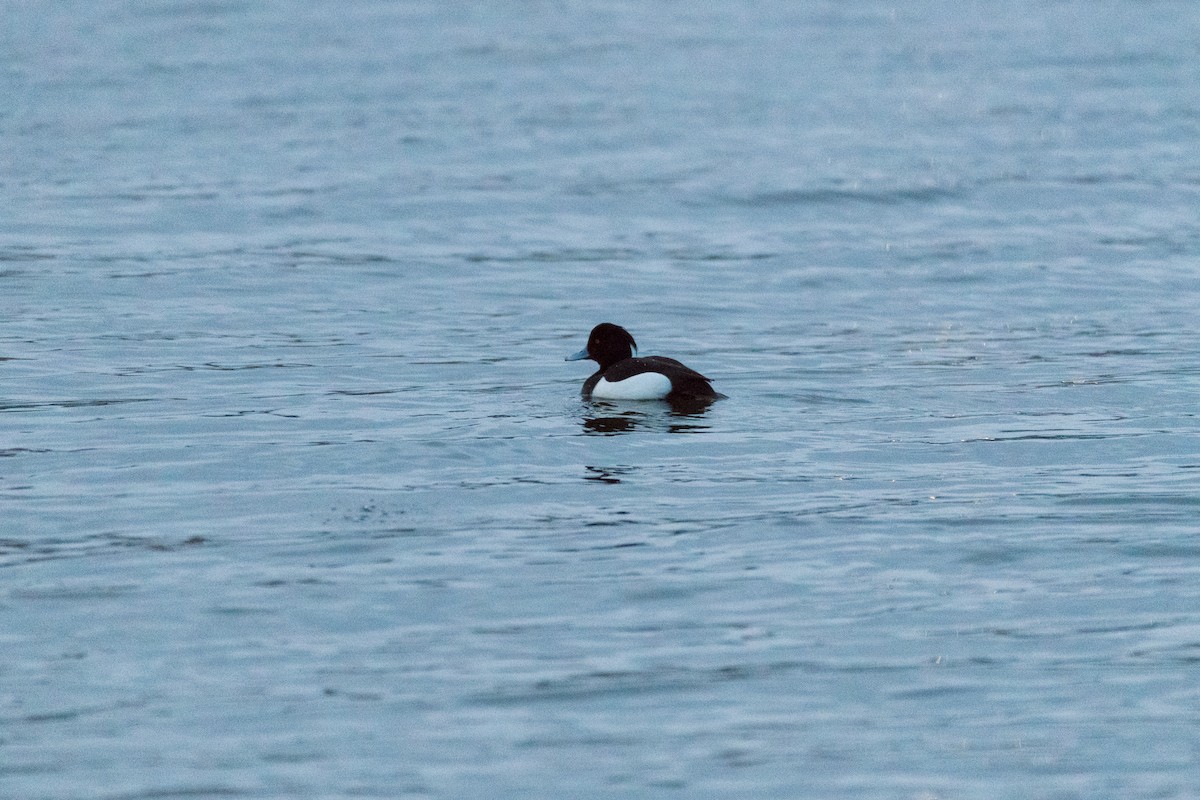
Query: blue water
[[299, 499]]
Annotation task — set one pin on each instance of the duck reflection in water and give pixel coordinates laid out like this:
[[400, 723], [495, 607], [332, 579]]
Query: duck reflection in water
[[605, 418]]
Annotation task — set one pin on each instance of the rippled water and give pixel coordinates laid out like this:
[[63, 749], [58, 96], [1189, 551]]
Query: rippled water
[[299, 499]]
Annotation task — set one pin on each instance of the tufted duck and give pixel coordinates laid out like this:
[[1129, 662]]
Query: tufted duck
[[624, 377]]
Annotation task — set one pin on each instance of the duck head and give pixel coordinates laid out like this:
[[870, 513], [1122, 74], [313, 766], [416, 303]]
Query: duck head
[[607, 344]]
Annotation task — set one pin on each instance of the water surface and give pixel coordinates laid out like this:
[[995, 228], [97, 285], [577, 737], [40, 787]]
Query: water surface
[[300, 500]]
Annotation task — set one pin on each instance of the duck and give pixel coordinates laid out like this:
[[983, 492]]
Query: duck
[[623, 376]]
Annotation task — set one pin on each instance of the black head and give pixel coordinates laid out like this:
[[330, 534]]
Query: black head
[[607, 344]]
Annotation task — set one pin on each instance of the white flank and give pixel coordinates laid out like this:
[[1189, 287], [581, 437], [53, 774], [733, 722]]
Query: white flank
[[645, 386]]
